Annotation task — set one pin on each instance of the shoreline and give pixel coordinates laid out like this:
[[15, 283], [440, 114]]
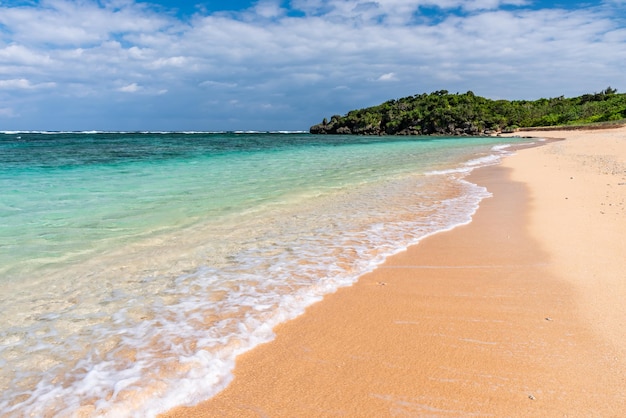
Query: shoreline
[[497, 317]]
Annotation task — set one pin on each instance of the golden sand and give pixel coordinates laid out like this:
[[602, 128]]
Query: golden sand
[[521, 313]]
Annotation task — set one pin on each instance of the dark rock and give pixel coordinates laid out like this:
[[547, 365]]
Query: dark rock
[[344, 130]]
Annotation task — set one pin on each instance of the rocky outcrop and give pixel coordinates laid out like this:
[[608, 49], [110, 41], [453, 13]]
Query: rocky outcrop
[[344, 127]]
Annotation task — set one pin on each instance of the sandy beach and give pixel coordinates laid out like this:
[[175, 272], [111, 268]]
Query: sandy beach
[[520, 313]]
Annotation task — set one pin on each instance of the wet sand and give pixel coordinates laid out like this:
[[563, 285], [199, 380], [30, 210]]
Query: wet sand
[[521, 313]]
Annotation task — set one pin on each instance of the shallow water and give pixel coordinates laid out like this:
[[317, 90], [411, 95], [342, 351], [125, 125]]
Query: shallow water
[[136, 267]]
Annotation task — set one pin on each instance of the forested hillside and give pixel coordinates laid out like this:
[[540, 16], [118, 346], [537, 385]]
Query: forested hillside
[[442, 113]]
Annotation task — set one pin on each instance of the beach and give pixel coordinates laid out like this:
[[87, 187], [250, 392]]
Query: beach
[[519, 313]]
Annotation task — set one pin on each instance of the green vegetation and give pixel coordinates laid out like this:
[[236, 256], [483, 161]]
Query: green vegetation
[[442, 113]]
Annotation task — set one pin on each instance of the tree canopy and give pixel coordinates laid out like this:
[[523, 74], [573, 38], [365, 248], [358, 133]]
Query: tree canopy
[[443, 113]]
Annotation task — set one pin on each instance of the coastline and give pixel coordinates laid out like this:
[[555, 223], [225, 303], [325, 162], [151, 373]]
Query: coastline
[[516, 314]]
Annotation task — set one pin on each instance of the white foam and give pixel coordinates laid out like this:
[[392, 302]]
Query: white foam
[[498, 151], [502, 147], [484, 161]]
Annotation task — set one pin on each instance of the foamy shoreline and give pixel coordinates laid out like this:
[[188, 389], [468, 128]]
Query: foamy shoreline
[[516, 314]]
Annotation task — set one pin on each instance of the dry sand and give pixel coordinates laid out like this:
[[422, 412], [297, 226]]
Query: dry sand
[[521, 313]]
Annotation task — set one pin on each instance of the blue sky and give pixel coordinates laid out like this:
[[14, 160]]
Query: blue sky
[[272, 65]]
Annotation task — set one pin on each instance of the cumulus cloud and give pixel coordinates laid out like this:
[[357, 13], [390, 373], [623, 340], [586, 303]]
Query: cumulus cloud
[[20, 54], [66, 22], [387, 77], [269, 9], [130, 88], [23, 84], [294, 62]]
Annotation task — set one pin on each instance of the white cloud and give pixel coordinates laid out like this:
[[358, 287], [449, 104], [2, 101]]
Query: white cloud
[[169, 62], [20, 83], [388, 77], [64, 22], [211, 83], [269, 9], [21, 55], [23, 84], [130, 88]]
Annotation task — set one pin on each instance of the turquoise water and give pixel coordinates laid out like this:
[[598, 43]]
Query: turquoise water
[[136, 267]]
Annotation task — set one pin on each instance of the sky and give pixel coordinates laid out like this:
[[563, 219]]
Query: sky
[[166, 65]]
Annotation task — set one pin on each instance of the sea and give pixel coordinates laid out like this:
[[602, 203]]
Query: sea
[[135, 267]]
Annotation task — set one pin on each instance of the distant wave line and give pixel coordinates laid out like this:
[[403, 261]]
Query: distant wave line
[[149, 132]]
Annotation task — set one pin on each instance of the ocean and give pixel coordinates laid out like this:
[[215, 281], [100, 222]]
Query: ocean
[[135, 267]]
